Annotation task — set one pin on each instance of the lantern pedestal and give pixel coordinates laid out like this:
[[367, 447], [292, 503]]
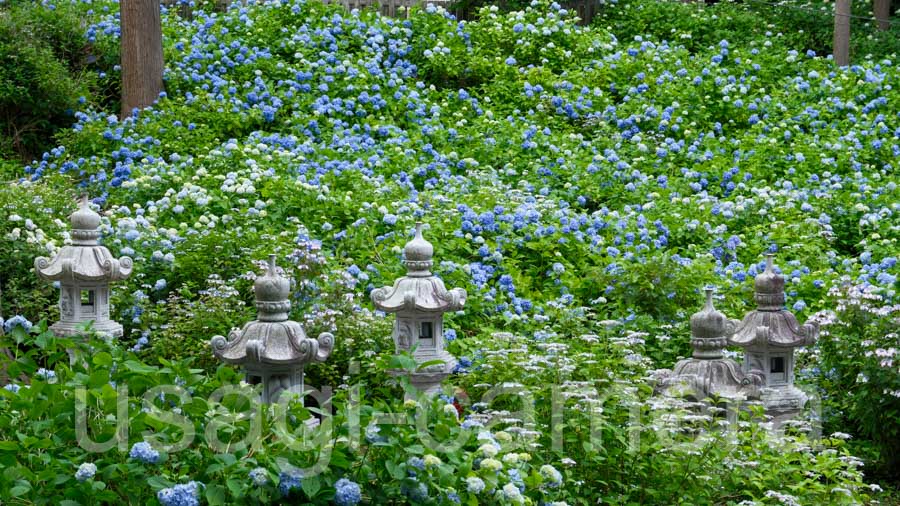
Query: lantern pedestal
[[783, 404], [427, 383], [108, 327]]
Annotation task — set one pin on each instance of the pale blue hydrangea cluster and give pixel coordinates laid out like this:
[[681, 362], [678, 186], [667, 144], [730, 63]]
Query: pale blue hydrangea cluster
[[143, 452], [373, 434], [187, 494], [415, 491], [259, 476], [347, 493], [86, 471], [552, 477], [17, 321], [288, 481], [142, 341], [46, 375], [474, 485]]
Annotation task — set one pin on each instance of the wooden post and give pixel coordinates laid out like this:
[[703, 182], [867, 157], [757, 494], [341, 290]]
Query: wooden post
[[842, 32], [142, 56], [882, 10]]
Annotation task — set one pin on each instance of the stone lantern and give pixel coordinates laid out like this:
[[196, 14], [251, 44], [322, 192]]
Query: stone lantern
[[769, 335], [273, 350], [420, 300], [84, 270], [708, 372]]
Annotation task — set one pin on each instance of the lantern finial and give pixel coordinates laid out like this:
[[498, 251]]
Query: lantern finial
[[272, 292], [419, 254], [85, 222], [769, 287]]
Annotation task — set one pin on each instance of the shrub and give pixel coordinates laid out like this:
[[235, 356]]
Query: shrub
[[47, 70], [858, 357]]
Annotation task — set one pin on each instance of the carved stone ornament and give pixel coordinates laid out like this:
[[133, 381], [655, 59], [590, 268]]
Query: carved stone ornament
[[769, 336]]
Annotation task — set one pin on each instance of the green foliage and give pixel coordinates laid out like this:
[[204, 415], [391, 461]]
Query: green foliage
[[801, 24], [398, 452], [48, 69], [858, 379]]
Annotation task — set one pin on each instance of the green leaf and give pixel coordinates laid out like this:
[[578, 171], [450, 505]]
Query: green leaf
[[311, 486], [158, 483], [103, 359], [19, 490], [139, 367], [9, 446], [395, 470], [236, 487], [215, 494]]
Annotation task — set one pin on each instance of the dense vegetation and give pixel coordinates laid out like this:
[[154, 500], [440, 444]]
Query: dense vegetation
[[582, 184]]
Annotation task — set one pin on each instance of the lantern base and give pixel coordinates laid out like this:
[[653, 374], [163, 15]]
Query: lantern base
[[423, 383], [783, 403], [70, 329], [275, 381]]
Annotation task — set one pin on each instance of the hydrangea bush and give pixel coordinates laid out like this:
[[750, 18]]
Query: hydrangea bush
[[579, 186]]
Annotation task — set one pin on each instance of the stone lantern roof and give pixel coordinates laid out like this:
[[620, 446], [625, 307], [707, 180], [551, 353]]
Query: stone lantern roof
[[85, 259], [419, 290], [272, 339], [771, 324]]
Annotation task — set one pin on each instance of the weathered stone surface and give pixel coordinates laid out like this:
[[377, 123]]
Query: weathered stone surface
[[769, 335]]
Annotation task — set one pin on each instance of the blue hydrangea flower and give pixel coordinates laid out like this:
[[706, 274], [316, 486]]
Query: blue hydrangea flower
[[259, 476], [474, 485], [289, 481], [143, 452], [86, 471], [416, 462], [416, 493], [46, 375], [12, 387], [552, 477], [347, 493], [17, 321], [187, 494]]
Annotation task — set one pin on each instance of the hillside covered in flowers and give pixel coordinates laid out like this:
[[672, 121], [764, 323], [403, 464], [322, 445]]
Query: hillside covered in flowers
[[582, 188]]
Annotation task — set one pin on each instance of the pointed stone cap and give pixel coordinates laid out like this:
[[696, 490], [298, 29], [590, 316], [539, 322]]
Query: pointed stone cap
[[85, 222], [419, 254], [769, 287], [709, 323], [272, 292]]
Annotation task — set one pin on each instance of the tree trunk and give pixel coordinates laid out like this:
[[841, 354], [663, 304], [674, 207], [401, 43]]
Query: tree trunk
[[842, 33], [142, 57], [882, 10]]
